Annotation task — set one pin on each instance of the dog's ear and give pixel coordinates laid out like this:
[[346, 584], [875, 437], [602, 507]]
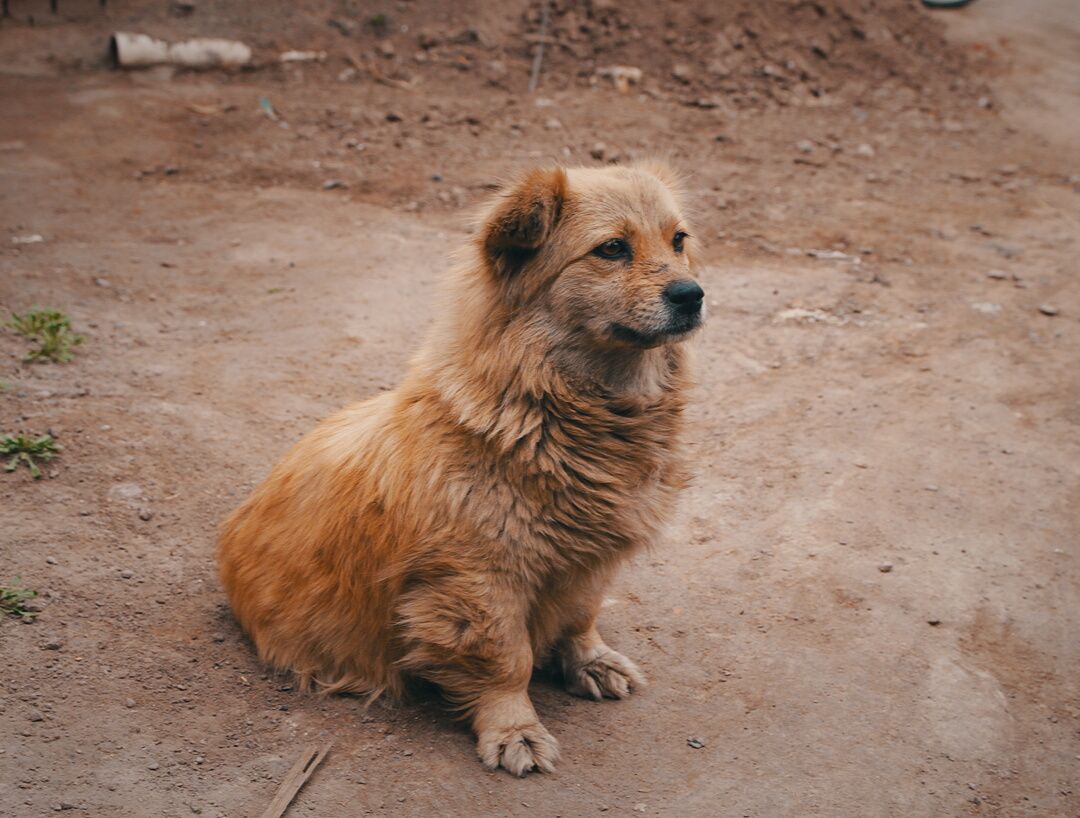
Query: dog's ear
[[523, 218]]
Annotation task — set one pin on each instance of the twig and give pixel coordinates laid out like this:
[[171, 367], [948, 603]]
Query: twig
[[301, 771], [538, 58]]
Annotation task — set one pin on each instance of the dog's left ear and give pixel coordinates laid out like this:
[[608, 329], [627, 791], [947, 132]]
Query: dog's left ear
[[523, 219]]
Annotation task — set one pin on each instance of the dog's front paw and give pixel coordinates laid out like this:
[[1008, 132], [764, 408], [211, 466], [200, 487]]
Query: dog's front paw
[[519, 749], [609, 675]]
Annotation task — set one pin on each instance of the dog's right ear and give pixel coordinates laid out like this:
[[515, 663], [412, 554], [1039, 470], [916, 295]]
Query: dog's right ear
[[523, 218]]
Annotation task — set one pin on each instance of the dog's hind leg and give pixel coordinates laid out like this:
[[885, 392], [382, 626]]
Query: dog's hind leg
[[592, 670], [471, 639]]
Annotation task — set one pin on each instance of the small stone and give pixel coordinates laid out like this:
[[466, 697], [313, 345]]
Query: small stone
[[35, 715], [126, 491], [218, 637], [52, 645], [804, 146], [696, 743], [885, 567], [999, 275], [331, 184], [1048, 309], [129, 703], [153, 766], [933, 623], [146, 514], [682, 72], [50, 560], [866, 150]]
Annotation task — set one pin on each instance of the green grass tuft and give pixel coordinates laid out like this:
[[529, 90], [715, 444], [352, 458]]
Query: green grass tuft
[[25, 449], [51, 329], [13, 599]]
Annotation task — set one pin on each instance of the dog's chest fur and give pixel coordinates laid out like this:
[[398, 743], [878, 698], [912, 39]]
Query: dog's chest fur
[[571, 476]]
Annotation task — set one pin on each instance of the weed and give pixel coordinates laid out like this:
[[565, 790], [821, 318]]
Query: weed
[[25, 449], [13, 599], [49, 328]]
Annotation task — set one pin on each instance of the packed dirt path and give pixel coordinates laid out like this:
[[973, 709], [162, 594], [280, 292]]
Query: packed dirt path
[[869, 605]]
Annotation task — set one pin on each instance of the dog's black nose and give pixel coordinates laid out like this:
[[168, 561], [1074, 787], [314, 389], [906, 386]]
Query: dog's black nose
[[684, 295]]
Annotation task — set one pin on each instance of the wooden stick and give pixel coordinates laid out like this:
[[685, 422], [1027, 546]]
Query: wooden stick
[[539, 48], [301, 771]]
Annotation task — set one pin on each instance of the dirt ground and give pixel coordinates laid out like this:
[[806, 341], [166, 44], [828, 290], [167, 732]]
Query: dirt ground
[[870, 604]]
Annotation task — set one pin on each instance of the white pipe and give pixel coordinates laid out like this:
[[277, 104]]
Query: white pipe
[[140, 50]]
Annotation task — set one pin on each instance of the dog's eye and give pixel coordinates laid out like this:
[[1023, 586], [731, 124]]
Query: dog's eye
[[678, 240], [613, 248]]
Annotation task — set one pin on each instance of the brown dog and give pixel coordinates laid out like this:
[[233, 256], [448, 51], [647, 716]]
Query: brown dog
[[462, 527]]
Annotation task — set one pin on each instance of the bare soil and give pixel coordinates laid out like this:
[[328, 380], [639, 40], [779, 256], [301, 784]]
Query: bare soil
[[870, 602]]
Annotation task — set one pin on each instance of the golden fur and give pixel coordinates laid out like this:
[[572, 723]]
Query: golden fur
[[462, 527]]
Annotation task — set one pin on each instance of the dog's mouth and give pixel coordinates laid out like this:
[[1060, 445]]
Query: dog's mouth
[[679, 326]]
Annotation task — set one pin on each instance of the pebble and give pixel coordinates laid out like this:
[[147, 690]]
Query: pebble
[[146, 514], [1048, 309], [331, 184], [154, 766], [126, 491], [696, 743], [804, 146], [682, 72], [50, 560], [35, 715], [933, 623], [218, 637], [866, 150], [127, 573], [129, 702], [885, 567]]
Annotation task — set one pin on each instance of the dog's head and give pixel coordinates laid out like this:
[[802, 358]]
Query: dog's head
[[606, 252]]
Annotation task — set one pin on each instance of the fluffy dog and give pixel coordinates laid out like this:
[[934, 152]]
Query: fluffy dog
[[462, 527]]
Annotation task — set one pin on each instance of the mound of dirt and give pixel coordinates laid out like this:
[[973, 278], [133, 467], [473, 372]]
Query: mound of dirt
[[787, 52], [740, 54]]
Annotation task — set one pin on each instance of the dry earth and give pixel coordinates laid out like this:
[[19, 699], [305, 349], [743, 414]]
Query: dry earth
[[870, 604]]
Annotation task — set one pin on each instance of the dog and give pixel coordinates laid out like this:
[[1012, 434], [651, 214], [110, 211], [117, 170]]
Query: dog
[[461, 528]]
